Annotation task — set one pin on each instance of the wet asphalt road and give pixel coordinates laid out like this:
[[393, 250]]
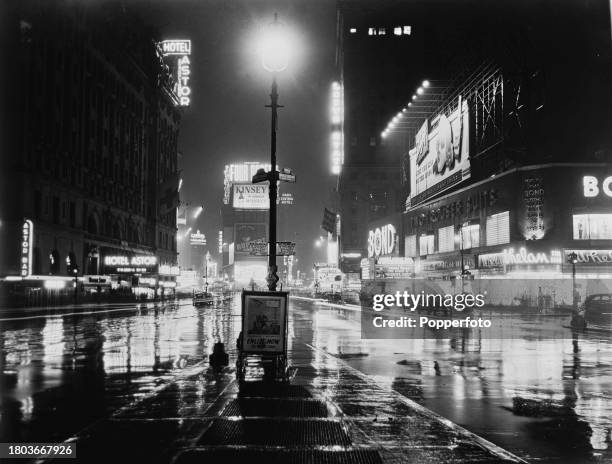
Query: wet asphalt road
[[544, 400]]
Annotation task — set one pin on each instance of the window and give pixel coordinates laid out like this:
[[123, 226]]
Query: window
[[426, 245], [592, 226], [381, 31], [446, 239], [56, 210], [407, 30], [37, 204], [470, 236], [72, 214], [397, 31], [498, 228], [371, 31], [410, 246], [353, 30]]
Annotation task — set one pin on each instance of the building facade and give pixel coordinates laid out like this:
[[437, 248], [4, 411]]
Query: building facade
[[93, 161]]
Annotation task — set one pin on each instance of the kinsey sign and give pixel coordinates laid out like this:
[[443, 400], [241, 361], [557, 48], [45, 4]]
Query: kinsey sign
[[381, 241], [593, 257], [593, 188], [27, 237], [251, 196], [510, 257]]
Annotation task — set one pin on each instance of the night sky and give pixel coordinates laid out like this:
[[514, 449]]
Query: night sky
[[228, 122]]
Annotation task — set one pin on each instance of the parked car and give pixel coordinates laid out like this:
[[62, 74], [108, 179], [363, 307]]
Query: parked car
[[598, 311]]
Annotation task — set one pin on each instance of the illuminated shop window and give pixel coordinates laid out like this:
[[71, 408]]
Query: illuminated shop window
[[426, 245], [397, 30], [470, 236], [353, 30], [407, 30], [382, 31], [592, 226], [410, 248], [498, 228], [446, 239], [371, 31]]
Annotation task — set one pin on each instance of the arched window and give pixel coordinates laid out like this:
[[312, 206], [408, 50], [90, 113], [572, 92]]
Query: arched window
[[92, 225]]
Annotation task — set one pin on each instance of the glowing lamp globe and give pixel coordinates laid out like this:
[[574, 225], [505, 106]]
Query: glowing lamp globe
[[274, 47]]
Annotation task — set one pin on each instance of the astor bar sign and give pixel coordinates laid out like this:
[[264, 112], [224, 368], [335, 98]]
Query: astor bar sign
[[27, 237], [381, 241]]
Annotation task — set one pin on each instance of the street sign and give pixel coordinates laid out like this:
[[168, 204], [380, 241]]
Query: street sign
[[260, 177], [285, 177], [282, 249], [285, 248]]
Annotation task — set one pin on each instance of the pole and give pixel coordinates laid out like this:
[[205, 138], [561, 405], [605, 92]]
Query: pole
[[76, 283], [574, 302], [272, 269]]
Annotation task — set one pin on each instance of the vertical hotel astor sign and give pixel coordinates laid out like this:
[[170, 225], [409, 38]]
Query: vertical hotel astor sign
[[182, 49], [27, 239]]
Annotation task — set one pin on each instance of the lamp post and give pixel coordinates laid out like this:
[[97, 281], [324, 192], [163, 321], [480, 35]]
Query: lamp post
[[274, 58], [572, 258]]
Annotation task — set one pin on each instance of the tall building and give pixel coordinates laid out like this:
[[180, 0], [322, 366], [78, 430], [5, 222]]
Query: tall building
[[399, 63], [91, 155]]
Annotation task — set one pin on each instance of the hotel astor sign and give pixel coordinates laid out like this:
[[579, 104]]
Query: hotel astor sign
[[382, 241]]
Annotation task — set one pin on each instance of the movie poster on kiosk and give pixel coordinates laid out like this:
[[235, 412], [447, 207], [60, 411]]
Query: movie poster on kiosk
[[263, 323], [440, 157]]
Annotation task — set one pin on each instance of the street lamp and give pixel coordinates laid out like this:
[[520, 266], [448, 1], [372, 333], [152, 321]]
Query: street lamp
[[274, 54]]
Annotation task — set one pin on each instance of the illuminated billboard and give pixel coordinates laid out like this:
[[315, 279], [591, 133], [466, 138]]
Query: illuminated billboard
[[248, 272], [247, 234], [182, 50], [239, 173], [250, 196], [440, 158]]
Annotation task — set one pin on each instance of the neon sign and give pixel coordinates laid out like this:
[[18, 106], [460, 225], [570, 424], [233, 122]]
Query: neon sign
[[134, 261], [27, 238], [182, 49], [381, 241], [510, 257], [591, 186]]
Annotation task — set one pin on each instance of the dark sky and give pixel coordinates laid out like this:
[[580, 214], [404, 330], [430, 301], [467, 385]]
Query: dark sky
[[228, 122]]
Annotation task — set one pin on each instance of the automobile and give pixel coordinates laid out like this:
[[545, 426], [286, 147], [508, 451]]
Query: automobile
[[598, 311], [203, 299]]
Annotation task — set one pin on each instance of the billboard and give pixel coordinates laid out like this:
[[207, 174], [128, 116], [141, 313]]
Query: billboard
[[246, 233], [239, 172], [250, 196], [264, 319], [440, 158]]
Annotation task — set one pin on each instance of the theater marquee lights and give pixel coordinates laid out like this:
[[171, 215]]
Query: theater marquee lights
[[181, 49]]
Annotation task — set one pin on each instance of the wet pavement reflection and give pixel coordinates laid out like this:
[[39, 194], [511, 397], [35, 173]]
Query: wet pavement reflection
[[547, 400], [544, 400]]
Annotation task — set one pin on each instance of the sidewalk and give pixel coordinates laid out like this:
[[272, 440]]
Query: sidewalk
[[330, 413]]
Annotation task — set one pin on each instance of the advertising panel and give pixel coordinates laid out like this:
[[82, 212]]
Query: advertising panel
[[247, 233], [241, 173], [441, 159], [264, 318], [250, 196]]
